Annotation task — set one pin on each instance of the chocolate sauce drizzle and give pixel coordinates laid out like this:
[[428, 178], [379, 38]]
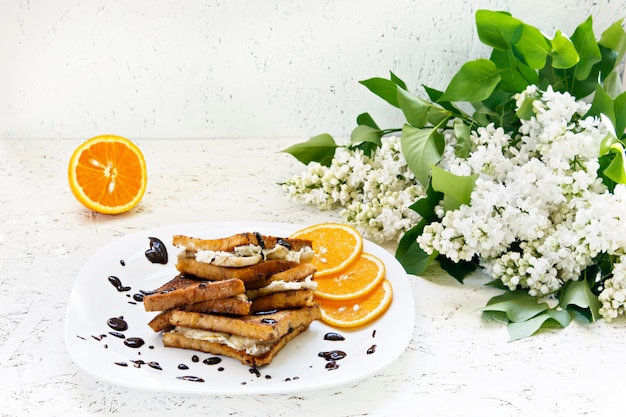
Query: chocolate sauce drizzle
[[157, 253]]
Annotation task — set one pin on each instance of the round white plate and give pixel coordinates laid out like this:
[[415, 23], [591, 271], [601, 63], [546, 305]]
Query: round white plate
[[297, 367]]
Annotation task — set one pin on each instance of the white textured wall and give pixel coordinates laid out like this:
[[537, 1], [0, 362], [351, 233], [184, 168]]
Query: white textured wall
[[234, 68]]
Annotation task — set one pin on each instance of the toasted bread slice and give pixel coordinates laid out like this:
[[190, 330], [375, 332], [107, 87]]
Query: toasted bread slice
[[175, 339], [228, 244], [254, 275], [283, 300], [244, 249], [231, 305], [183, 290], [298, 273], [260, 327]]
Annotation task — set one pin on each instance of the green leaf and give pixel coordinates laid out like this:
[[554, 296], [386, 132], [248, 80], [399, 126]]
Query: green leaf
[[385, 89], [366, 120], [606, 143], [515, 75], [421, 147], [518, 305], [616, 170], [578, 294], [602, 104], [434, 95], [533, 48], [393, 77], [604, 161], [498, 29], [320, 148], [599, 72], [456, 189], [612, 84], [619, 107], [366, 134], [414, 108], [614, 38], [457, 270], [585, 42], [526, 111], [475, 81], [564, 54], [520, 330], [463, 142], [410, 255], [426, 205]]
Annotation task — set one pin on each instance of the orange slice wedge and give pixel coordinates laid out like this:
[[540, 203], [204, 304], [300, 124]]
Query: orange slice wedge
[[358, 311], [336, 246], [359, 278]]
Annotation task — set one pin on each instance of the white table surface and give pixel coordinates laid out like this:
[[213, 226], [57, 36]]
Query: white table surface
[[457, 364]]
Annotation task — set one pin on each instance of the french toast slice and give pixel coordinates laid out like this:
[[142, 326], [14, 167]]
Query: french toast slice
[[183, 290], [283, 300], [243, 249], [228, 244], [258, 327], [235, 305], [252, 275], [175, 339], [273, 282]]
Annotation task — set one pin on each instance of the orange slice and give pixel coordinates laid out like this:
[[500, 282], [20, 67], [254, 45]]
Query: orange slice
[[108, 174], [358, 311], [336, 246], [359, 278]]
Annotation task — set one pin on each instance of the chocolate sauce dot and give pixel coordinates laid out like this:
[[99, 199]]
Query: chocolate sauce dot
[[214, 360], [190, 378], [333, 336], [138, 363], [117, 283], [117, 323], [332, 355], [331, 366], [134, 342]]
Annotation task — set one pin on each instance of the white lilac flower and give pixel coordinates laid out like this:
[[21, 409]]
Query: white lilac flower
[[374, 193], [613, 295], [538, 214]]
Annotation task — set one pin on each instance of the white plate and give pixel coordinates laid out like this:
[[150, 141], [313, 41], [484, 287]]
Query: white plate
[[297, 367]]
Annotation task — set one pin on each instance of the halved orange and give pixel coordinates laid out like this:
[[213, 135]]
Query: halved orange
[[358, 311], [336, 245], [359, 278], [108, 174]]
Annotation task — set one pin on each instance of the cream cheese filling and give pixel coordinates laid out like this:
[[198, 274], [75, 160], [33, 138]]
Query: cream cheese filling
[[253, 347], [247, 255], [279, 286]]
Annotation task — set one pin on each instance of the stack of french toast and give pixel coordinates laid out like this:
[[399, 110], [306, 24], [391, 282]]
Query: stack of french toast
[[244, 296]]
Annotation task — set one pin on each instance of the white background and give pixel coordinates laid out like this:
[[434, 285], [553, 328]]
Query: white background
[[238, 68]]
